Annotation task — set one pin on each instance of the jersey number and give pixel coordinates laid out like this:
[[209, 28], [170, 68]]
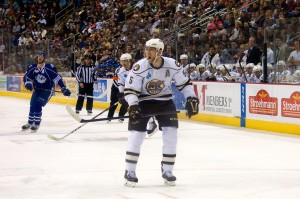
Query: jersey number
[[130, 80]]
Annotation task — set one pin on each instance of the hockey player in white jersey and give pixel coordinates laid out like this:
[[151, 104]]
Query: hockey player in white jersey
[[148, 92], [122, 74]]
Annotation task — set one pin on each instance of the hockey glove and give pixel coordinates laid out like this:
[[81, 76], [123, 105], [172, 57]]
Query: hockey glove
[[121, 98], [66, 91], [28, 86], [135, 114], [192, 106]]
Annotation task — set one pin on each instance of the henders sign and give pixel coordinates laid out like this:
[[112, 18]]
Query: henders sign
[[263, 104], [290, 107]]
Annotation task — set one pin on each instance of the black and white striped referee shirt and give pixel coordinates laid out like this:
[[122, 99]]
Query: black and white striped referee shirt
[[86, 74]]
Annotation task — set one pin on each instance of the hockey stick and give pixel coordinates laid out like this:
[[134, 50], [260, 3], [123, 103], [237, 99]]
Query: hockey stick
[[80, 120], [240, 60], [95, 97], [58, 139]]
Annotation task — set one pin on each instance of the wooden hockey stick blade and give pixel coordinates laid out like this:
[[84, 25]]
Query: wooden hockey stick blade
[[76, 116], [53, 137], [72, 113], [73, 131]]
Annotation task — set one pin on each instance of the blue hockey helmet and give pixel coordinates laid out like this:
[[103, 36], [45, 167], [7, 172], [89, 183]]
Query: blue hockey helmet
[[41, 53]]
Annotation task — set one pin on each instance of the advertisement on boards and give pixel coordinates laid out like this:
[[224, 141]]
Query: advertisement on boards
[[101, 90], [178, 98], [278, 103], [290, 107], [71, 84], [14, 83], [263, 103], [3, 83], [219, 98]]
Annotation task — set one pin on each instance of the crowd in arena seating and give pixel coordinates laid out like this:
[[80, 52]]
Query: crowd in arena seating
[[105, 29]]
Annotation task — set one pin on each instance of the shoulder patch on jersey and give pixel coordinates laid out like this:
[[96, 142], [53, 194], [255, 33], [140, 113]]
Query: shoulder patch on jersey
[[177, 63], [136, 67]]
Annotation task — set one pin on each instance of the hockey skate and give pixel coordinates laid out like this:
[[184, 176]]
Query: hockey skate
[[121, 120], [34, 128], [169, 178], [152, 130], [130, 178], [26, 127], [89, 113]]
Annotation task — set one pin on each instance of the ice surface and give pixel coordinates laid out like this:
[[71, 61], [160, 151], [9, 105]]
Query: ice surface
[[213, 161]]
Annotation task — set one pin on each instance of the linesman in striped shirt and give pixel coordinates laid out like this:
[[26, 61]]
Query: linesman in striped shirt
[[86, 75]]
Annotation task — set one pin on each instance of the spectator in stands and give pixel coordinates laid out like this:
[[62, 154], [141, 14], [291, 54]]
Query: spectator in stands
[[253, 53], [294, 57], [169, 52], [282, 50]]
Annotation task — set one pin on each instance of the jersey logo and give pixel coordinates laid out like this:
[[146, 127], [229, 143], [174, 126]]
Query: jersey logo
[[177, 64], [155, 86], [125, 75], [40, 79], [148, 76], [136, 67], [167, 73]]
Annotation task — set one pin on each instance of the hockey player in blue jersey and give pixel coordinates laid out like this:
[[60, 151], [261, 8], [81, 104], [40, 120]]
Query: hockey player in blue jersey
[[41, 78]]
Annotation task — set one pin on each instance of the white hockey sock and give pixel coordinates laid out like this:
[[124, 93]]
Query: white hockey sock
[[169, 147], [135, 140]]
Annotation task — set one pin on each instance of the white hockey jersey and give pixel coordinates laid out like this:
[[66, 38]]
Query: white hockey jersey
[[146, 82], [122, 76]]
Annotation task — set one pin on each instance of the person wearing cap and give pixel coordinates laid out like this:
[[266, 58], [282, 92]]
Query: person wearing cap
[[86, 76], [257, 72], [184, 63], [281, 74], [41, 79]]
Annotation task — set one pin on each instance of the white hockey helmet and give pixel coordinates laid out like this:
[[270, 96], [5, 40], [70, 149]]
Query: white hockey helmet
[[125, 57], [280, 63], [200, 66], [269, 66], [192, 65], [257, 68], [250, 65], [184, 56], [155, 43]]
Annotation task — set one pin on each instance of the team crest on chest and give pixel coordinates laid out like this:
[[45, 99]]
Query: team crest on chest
[[155, 86], [40, 79]]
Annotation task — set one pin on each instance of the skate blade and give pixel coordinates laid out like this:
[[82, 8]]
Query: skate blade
[[129, 183], [33, 131], [169, 183]]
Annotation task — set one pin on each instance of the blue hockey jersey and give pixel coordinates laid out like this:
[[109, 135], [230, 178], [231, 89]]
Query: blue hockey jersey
[[43, 78]]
